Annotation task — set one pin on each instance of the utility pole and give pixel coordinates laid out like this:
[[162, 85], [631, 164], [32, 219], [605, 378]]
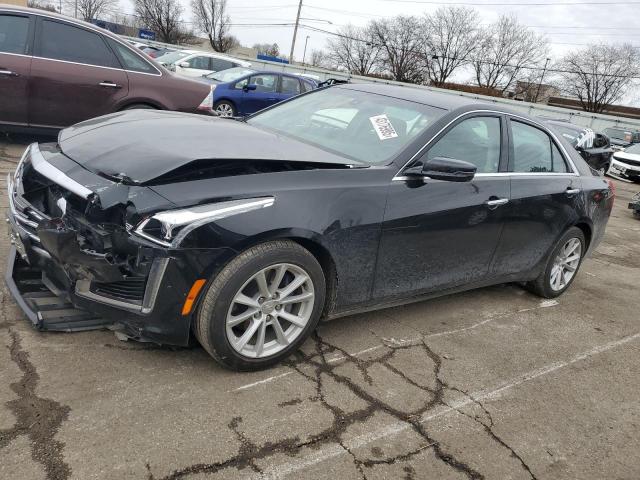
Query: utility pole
[[295, 32], [304, 54], [76, 14], [541, 78]]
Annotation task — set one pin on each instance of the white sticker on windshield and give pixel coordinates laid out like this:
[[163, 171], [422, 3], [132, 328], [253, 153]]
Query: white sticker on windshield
[[383, 127]]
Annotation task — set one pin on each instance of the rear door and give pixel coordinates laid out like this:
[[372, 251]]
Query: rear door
[[545, 198], [289, 86], [219, 64], [74, 75], [437, 234], [15, 66]]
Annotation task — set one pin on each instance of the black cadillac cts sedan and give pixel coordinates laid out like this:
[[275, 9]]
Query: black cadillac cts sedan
[[244, 234]]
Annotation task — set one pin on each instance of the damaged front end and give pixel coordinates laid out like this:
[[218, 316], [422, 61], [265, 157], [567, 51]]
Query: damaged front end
[[75, 264]]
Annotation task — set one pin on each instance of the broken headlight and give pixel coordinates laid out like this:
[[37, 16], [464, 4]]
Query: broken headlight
[[170, 228]]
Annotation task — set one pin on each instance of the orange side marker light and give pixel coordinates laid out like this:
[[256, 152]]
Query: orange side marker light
[[192, 295]]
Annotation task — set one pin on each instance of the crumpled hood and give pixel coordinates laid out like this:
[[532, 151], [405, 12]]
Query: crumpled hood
[[145, 144]]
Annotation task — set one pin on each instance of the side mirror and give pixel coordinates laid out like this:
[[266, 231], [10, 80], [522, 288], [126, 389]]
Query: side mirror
[[449, 169], [184, 65], [251, 86]]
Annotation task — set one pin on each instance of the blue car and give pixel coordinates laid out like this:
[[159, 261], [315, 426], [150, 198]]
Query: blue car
[[253, 91]]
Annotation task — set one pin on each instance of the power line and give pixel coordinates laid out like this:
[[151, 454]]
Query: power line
[[485, 62], [515, 4]]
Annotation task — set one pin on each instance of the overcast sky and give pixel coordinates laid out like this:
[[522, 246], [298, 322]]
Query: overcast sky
[[567, 24]]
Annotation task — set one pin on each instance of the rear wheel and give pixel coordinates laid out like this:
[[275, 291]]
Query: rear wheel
[[224, 108], [604, 169], [562, 265], [262, 306]]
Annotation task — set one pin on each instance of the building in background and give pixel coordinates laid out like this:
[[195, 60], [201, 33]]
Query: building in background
[[22, 3]]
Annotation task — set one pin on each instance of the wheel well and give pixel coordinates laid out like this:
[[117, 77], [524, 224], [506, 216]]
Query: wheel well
[[586, 229], [325, 260], [146, 104]]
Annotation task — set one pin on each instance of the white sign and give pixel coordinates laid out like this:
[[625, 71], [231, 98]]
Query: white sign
[[383, 127]]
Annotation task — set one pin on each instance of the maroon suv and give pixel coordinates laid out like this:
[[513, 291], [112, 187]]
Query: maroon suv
[[56, 71]]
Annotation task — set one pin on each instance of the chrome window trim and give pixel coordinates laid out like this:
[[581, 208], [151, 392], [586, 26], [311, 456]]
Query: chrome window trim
[[99, 31], [566, 156], [52, 173], [402, 178]]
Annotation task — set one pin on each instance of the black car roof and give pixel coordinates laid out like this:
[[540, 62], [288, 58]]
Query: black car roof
[[444, 100]]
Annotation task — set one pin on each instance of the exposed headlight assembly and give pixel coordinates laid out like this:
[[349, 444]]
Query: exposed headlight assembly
[[171, 227]]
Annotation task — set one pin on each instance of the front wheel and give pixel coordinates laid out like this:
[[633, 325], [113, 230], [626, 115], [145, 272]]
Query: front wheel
[[261, 306], [562, 265], [225, 108], [604, 169]]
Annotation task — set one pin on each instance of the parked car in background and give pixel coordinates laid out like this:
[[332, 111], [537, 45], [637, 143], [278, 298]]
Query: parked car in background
[[155, 52], [626, 164], [253, 92], [196, 63], [56, 71], [594, 147], [167, 226], [622, 138]]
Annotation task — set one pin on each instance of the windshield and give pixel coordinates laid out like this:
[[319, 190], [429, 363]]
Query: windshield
[[635, 149], [366, 127], [171, 57], [230, 74]]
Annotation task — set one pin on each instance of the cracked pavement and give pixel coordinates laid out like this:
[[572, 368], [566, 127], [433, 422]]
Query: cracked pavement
[[494, 383]]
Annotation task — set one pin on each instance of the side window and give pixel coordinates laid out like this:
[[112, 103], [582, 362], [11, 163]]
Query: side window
[[241, 84], [199, 63], [265, 82], [534, 152], [290, 85], [306, 86], [65, 42], [475, 140], [14, 33], [217, 64], [129, 60]]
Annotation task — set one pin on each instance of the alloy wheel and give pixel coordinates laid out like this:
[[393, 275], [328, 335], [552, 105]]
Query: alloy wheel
[[270, 310], [565, 264], [224, 110]]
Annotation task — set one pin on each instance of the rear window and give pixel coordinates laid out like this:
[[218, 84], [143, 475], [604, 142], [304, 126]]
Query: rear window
[[130, 60], [61, 41], [14, 31]]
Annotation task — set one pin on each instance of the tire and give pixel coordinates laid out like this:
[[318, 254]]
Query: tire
[[139, 106], [219, 307], [542, 285], [604, 169], [224, 108]]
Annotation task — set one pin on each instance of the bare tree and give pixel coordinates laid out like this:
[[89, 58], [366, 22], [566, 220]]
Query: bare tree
[[451, 38], [401, 46], [211, 17], [319, 58], [507, 48], [599, 75], [163, 17], [271, 49], [354, 49], [90, 9], [41, 6]]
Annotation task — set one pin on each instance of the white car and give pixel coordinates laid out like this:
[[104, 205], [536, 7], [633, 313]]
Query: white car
[[626, 164], [197, 63]]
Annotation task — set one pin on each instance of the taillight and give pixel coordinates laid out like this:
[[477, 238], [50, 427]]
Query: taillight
[[207, 103], [612, 187]]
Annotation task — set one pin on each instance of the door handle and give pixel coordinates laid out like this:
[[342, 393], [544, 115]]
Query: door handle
[[496, 202], [109, 84], [8, 73], [572, 191]]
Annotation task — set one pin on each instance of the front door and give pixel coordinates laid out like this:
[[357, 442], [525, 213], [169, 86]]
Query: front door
[[15, 67], [436, 234], [74, 75], [197, 66], [545, 194], [265, 94]]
